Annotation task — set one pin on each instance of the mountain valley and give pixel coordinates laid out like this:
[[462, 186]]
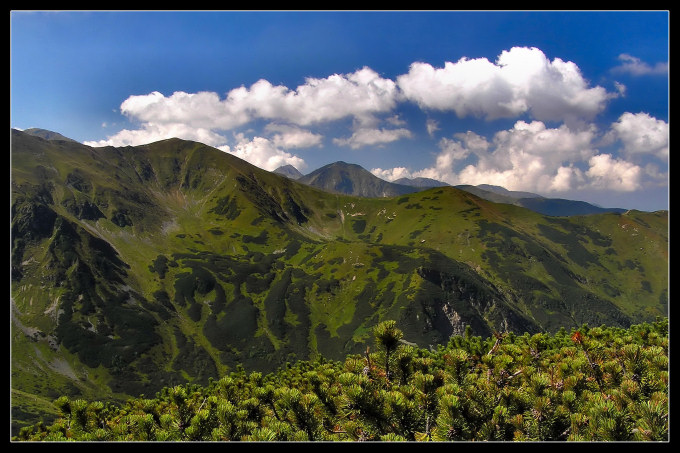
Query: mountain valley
[[136, 268]]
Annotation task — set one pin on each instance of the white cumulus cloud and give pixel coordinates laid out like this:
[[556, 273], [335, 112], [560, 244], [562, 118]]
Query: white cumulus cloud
[[432, 126], [606, 172], [641, 133], [338, 96], [286, 136], [368, 136], [522, 80], [634, 66], [263, 153], [392, 174], [360, 93], [201, 110], [153, 132]]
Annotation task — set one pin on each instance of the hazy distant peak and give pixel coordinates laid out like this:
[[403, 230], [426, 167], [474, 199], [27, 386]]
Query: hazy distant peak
[[510, 193], [353, 179], [420, 182], [546, 206], [288, 171]]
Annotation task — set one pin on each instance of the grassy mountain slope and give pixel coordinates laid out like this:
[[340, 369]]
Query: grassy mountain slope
[[141, 267]]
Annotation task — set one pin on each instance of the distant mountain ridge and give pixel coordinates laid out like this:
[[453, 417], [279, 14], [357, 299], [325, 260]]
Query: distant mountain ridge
[[424, 183], [509, 193], [352, 179], [557, 207]]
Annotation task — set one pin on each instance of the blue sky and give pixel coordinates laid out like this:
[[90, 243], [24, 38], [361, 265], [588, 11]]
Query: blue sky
[[564, 104]]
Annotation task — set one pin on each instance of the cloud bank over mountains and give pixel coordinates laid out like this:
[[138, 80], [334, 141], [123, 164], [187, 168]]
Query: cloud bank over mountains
[[553, 146], [533, 157]]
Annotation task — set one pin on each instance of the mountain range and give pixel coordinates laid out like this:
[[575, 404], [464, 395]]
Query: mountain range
[[141, 267], [352, 179]]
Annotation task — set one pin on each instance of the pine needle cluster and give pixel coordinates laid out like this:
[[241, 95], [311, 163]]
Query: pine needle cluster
[[590, 384]]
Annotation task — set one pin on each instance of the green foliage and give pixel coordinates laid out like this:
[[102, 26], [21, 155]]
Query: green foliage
[[598, 384]]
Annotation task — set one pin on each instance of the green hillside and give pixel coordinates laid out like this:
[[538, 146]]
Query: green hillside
[[144, 267]]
